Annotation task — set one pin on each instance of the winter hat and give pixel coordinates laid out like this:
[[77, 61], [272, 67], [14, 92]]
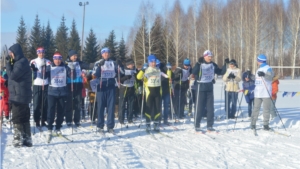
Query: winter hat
[[104, 50], [57, 56], [232, 61], [40, 50], [129, 62], [186, 62], [207, 53], [262, 58], [151, 58], [72, 52]]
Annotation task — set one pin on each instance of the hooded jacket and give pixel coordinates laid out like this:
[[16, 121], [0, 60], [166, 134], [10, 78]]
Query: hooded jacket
[[232, 85], [248, 86], [19, 77]]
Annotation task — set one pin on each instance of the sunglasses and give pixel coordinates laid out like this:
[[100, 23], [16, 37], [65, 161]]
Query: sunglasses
[[40, 51], [57, 57]]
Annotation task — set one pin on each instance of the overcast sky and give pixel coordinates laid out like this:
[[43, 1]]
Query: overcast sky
[[101, 15]]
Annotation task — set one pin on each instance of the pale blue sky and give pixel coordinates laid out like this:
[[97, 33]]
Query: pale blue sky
[[101, 15]]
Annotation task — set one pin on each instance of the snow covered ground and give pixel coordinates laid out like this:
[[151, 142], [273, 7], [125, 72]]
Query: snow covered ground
[[135, 149]]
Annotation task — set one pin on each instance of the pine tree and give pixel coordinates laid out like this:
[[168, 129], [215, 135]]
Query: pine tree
[[61, 39], [35, 38], [22, 37], [111, 43], [74, 40], [122, 50], [91, 48], [49, 44]]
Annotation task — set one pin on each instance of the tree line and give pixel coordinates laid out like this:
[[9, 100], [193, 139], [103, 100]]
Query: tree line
[[237, 29], [65, 39]]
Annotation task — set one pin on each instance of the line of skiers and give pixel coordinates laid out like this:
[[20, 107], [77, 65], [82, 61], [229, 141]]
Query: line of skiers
[[57, 88]]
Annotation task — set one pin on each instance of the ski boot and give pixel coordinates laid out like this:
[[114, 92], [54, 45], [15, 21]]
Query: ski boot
[[49, 136], [17, 141], [210, 129], [267, 128], [148, 127], [27, 140], [253, 127], [156, 127]]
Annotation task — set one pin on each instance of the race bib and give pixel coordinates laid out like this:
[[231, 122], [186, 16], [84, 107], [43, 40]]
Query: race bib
[[154, 79], [108, 70], [58, 76], [208, 73]]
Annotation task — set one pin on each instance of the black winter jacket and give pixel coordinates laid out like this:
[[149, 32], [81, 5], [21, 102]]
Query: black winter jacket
[[19, 77]]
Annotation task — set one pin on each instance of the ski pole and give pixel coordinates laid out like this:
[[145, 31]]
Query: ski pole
[[142, 107], [238, 110], [273, 103], [42, 111], [179, 101], [100, 96], [72, 99]]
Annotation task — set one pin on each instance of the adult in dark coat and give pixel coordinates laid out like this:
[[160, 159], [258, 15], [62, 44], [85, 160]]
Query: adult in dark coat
[[19, 87]]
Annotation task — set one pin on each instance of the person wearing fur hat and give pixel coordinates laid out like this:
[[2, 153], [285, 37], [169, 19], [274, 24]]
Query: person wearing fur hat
[[275, 83], [181, 85], [106, 71], [204, 72], [58, 91], [126, 92], [152, 81], [262, 92], [231, 78], [40, 88], [75, 85], [248, 88]]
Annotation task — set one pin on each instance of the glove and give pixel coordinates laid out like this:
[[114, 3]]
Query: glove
[[102, 61], [33, 67], [260, 74], [226, 60], [128, 76], [119, 62], [71, 66], [231, 76], [145, 66], [201, 60]]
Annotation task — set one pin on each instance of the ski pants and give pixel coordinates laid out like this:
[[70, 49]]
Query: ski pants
[[166, 102], [266, 110], [126, 97], [39, 96], [205, 100], [179, 102], [153, 106], [106, 98], [56, 104], [20, 113], [231, 103], [73, 104], [250, 105]]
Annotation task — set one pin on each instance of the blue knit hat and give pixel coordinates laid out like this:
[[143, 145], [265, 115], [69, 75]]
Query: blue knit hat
[[104, 50], [151, 58], [262, 58], [187, 62]]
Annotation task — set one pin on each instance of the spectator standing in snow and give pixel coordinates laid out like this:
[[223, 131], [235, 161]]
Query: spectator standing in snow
[[232, 78], [248, 88], [19, 87]]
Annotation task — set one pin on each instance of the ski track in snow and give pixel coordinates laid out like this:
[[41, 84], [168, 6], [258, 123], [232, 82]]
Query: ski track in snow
[[133, 148]]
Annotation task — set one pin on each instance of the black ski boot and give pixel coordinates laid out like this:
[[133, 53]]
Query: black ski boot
[[148, 127], [156, 127], [17, 141], [267, 128], [27, 140]]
